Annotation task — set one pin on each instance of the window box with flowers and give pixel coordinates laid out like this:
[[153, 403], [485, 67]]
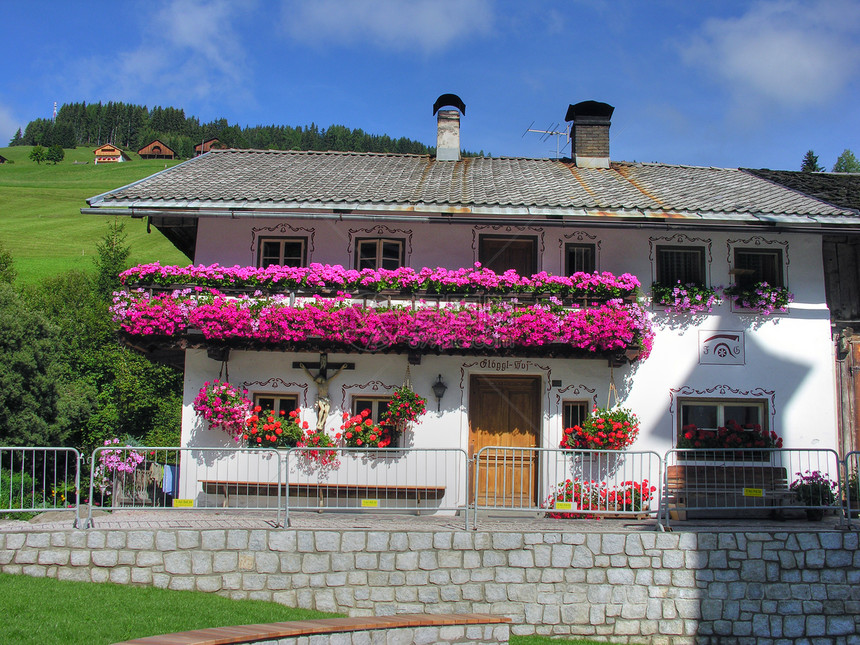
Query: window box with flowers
[[687, 298], [731, 442], [816, 491], [585, 499], [761, 298], [224, 406]]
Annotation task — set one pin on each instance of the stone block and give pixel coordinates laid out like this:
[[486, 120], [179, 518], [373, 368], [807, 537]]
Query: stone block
[[524, 559], [105, 558], [224, 561], [283, 541], [237, 539], [177, 563], [141, 540], [215, 540], [165, 541], [315, 563], [188, 539], [201, 563], [613, 543]]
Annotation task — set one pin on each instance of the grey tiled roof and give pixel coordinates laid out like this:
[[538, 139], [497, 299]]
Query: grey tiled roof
[[273, 179]]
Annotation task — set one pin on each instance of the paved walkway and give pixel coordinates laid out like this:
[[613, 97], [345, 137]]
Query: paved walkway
[[240, 519]]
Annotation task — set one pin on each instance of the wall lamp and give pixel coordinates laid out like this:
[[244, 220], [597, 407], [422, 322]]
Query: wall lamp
[[439, 389]]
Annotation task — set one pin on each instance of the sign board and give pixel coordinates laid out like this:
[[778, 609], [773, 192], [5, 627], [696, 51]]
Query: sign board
[[370, 503], [183, 503]]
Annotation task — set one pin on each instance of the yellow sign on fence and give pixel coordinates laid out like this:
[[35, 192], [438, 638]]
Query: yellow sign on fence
[[753, 492], [370, 503], [564, 506], [183, 503]]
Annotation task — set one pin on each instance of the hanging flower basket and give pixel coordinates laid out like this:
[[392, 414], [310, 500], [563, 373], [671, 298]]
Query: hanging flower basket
[[224, 406], [605, 429], [359, 431], [404, 408]]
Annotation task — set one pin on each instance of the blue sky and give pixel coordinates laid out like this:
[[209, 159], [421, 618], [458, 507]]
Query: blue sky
[[728, 83]]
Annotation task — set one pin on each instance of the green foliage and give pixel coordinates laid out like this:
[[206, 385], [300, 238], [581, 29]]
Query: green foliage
[[38, 154], [17, 140], [134, 126], [810, 163], [55, 154], [46, 610], [29, 374], [846, 162], [112, 259], [7, 268]]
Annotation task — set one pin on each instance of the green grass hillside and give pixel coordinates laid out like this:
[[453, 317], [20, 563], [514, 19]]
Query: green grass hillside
[[40, 219]]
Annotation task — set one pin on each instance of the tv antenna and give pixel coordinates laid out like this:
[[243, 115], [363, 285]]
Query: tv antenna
[[553, 131]]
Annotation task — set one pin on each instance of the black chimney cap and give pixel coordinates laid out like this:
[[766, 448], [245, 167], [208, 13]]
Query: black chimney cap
[[449, 99], [590, 110]]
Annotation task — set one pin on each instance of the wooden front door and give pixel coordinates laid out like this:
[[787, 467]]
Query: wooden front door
[[505, 411]]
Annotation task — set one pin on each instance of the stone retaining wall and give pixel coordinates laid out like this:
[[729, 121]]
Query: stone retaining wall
[[728, 587]]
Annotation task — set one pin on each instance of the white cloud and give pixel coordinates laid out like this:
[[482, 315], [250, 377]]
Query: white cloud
[[426, 25], [8, 125], [782, 52], [188, 49]]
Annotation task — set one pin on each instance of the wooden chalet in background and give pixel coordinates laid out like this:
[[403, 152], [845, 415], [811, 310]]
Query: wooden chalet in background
[[109, 153], [3, 159], [206, 146], [156, 150]]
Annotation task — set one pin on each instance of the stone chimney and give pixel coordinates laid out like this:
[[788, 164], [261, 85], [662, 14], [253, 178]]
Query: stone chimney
[[589, 133], [448, 127]]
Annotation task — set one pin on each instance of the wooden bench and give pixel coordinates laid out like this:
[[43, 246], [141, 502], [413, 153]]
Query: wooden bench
[[322, 491], [270, 632], [727, 490]]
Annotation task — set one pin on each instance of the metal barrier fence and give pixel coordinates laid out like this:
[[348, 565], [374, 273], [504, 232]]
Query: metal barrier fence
[[40, 479], [141, 478], [566, 483], [851, 485], [720, 483], [683, 484], [411, 480]]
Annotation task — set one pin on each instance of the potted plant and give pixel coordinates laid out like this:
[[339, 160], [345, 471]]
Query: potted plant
[[590, 499], [851, 494], [605, 429], [320, 447], [760, 297], [687, 298], [814, 490]]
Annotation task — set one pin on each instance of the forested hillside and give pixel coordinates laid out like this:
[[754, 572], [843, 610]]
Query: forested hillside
[[134, 126]]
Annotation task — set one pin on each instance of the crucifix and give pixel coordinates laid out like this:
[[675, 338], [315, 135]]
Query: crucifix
[[322, 379]]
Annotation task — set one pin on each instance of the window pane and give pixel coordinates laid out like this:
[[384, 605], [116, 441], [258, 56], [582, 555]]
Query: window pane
[[574, 413], [700, 415], [752, 267], [265, 402], [367, 254], [269, 254], [580, 257], [361, 405], [294, 252], [501, 254], [390, 254], [741, 414], [678, 264]]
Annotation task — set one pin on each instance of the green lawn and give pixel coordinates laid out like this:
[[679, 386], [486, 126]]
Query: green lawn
[[44, 610], [40, 219]]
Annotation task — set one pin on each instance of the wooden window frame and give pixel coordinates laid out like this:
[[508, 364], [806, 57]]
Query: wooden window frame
[[278, 400], [744, 282], [531, 239], [574, 246], [721, 405], [282, 241], [379, 259]]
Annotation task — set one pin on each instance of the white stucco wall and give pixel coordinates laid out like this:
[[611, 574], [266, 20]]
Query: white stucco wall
[[787, 357]]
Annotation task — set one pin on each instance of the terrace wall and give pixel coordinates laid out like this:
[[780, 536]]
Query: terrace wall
[[707, 587]]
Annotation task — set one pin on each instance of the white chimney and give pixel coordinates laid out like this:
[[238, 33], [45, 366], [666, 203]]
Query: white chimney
[[448, 127]]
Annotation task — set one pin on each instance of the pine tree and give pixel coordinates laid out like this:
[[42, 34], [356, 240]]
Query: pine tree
[[810, 163], [55, 154], [17, 139], [846, 162]]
